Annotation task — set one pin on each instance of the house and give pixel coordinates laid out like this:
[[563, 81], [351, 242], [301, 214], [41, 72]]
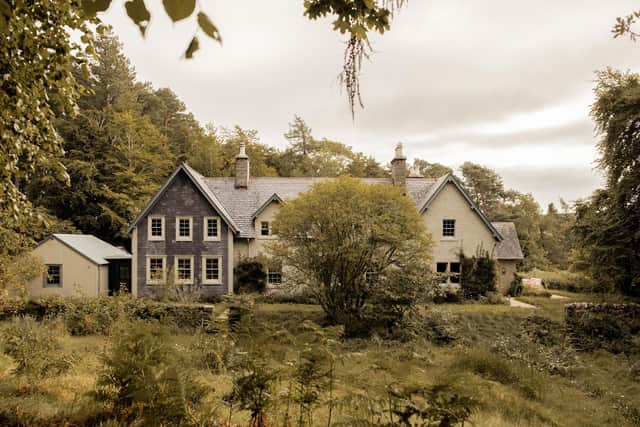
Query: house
[[80, 265], [195, 229]]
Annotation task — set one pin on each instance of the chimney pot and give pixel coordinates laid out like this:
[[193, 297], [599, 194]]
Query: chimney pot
[[242, 168], [399, 168]]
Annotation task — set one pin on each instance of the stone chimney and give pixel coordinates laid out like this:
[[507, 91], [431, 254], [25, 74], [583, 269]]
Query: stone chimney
[[399, 168], [242, 168]]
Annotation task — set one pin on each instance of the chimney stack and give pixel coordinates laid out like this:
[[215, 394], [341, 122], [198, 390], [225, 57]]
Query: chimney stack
[[242, 168], [399, 168]]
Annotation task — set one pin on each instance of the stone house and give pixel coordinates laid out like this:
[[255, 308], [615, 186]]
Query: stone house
[[198, 228]]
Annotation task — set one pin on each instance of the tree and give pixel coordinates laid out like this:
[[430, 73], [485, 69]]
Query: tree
[[308, 156], [484, 186], [608, 225], [115, 157], [37, 56], [430, 170], [357, 245], [555, 234]]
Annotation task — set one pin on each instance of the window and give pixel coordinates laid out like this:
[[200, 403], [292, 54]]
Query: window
[[184, 269], [454, 269], [448, 227], [265, 229], [211, 270], [274, 278], [53, 277], [184, 228], [156, 272], [211, 228], [156, 227]]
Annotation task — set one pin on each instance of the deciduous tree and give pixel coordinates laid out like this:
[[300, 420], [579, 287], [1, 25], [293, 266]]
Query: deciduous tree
[[358, 245]]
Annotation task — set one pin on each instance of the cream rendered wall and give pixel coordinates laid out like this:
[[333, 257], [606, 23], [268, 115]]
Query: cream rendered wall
[[249, 248], [79, 275], [470, 230]]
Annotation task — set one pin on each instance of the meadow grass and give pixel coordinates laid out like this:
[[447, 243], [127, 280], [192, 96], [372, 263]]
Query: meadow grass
[[510, 392]]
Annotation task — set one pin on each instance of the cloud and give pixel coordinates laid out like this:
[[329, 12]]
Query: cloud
[[499, 82]]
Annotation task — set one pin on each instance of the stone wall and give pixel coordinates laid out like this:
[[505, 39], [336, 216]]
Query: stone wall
[[613, 327]]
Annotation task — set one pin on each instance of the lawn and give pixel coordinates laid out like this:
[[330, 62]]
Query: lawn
[[481, 352]]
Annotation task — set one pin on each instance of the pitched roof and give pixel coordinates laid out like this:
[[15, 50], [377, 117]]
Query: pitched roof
[[244, 204], [440, 184], [199, 181], [95, 250], [509, 247]]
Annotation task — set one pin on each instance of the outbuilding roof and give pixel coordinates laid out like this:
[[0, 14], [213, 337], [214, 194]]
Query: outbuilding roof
[[95, 250], [509, 247]]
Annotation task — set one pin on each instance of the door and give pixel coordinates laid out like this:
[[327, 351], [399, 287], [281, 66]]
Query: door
[[119, 275]]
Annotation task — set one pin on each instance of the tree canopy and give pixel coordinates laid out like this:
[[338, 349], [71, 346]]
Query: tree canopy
[[349, 240], [608, 224]]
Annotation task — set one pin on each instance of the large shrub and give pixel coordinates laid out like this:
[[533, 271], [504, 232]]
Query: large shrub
[[145, 378], [35, 348], [249, 276], [346, 240], [478, 274], [566, 281]]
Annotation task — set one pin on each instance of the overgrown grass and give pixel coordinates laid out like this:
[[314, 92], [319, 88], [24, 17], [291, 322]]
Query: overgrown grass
[[511, 388]]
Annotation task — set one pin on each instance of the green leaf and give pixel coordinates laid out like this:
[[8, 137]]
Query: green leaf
[[92, 7], [138, 13], [359, 31], [207, 26], [193, 47], [179, 9]]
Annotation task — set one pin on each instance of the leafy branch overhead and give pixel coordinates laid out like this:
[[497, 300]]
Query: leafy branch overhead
[[353, 17], [623, 26]]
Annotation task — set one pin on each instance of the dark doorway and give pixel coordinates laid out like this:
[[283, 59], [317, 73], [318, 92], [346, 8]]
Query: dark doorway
[[119, 275]]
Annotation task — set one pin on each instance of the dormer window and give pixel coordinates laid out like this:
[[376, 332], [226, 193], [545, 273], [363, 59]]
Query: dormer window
[[265, 228], [184, 228], [155, 227], [448, 228], [211, 228]]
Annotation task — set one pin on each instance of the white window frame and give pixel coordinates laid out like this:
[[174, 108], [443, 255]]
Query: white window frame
[[274, 284], [454, 229], [265, 236], [151, 237], [180, 238], [151, 281], [206, 281], [188, 281], [205, 228]]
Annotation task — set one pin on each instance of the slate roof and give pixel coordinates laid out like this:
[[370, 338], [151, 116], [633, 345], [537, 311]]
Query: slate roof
[[95, 250], [243, 203], [509, 247]]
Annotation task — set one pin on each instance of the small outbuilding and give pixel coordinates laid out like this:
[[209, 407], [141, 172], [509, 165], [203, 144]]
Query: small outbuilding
[[80, 265]]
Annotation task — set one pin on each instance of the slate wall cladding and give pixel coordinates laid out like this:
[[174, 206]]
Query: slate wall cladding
[[182, 198]]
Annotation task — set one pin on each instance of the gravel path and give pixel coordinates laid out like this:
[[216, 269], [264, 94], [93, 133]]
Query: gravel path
[[515, 303]]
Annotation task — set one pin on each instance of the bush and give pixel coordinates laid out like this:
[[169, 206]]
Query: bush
[[516, 288], [566, 281], [439, 327], [250, 276], [35, 348], [493, 367], [478, 274], [145, 378]]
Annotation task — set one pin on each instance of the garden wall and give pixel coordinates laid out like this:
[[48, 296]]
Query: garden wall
[[613, 327]]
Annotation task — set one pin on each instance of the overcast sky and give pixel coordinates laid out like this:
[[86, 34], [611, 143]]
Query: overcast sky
[[502, 83]]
